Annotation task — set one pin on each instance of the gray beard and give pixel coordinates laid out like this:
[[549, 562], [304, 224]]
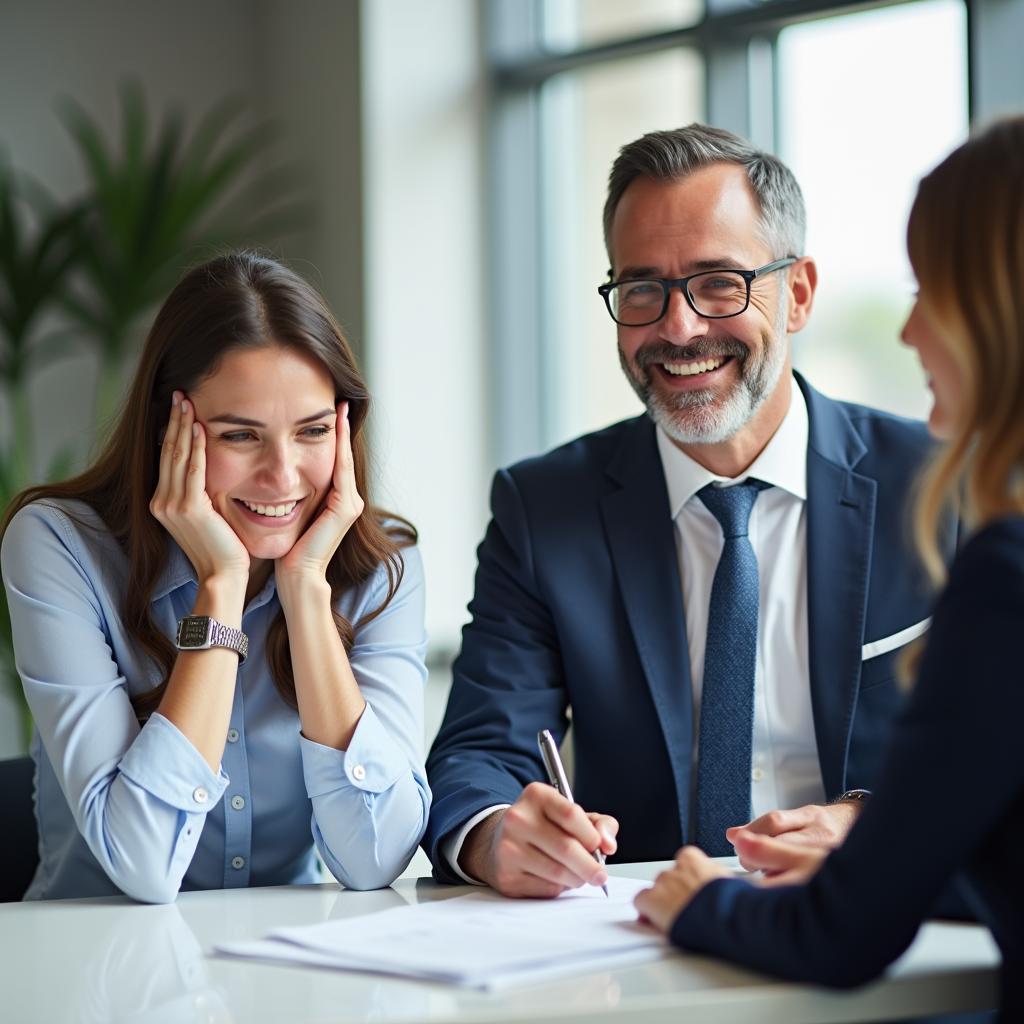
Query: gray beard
[[694, 417]]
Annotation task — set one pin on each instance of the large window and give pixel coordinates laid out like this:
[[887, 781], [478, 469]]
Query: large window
[[858, 99], [861, 117], [585, 23]]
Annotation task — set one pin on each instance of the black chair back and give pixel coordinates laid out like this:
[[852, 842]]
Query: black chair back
[[19, 845]]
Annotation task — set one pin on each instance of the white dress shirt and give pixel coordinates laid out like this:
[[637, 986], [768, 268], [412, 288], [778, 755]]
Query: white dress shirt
[[785, 770]]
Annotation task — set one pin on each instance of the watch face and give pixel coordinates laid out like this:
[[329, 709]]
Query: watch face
[[193, 631]]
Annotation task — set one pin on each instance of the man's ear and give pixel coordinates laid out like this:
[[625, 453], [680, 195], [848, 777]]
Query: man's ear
[[802, 281]]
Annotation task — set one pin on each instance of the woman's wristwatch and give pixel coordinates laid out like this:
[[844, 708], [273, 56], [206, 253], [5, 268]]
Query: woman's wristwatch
[[201, 632]]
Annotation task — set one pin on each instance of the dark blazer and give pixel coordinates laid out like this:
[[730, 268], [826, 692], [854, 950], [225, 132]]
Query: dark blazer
[[578, 606], [949, 802]]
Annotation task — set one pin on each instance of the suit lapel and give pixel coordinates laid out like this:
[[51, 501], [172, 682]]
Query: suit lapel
[[840, 528], [642, 543]]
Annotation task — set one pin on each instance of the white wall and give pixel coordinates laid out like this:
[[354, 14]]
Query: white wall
[[425, 324], [308, 70]]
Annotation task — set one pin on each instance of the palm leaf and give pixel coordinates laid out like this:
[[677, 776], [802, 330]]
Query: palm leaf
[[152, 200], [88, 136], [39, 246]]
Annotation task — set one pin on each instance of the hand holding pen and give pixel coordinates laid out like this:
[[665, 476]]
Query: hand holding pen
[[539, 846], [557, 777]]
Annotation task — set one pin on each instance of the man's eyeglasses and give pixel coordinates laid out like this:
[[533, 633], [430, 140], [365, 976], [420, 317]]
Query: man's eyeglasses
[[714, 294]]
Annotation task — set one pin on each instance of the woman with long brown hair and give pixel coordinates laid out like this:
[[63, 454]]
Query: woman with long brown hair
[[221, 644], [949, 803]]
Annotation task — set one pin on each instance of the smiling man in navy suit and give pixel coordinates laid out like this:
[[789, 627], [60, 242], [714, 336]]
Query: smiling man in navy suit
[[714, 592]]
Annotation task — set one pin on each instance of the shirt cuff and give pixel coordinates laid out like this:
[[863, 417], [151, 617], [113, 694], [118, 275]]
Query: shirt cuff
[[371, 763], [452, 846], [163, 762]]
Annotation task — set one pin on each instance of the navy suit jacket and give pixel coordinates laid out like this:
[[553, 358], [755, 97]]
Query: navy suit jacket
[[578, 609]]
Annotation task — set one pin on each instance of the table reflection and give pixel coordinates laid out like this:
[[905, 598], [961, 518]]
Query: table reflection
[[146, 966]]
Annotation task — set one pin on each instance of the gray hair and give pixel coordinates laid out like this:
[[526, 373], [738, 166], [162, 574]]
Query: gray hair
[[667, 156]]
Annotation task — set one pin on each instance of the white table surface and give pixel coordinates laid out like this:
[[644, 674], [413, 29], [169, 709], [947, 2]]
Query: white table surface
[[114, 960]]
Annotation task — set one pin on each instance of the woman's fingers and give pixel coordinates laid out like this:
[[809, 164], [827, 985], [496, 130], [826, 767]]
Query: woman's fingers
[[175, 453], [162, 492], [344, 464], [343, 446], [195, 478], [344, 503], [181, 504], [182, 452]]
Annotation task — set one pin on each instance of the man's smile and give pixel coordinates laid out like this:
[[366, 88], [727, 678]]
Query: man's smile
[[699, 367]]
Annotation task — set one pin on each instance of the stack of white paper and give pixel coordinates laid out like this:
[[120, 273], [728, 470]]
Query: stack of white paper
[[481, 940]]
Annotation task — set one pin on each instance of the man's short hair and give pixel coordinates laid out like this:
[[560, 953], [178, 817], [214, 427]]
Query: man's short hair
[[671, 155]]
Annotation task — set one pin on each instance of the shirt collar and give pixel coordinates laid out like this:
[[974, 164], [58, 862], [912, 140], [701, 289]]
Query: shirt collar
[[782, 463], [178, 571]]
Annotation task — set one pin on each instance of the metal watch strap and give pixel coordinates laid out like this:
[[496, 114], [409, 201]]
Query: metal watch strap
[[201, 632], [228, 636]]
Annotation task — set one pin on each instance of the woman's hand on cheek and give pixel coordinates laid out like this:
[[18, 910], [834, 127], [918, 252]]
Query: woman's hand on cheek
[[308, 559], [183, 507], [673, 889]]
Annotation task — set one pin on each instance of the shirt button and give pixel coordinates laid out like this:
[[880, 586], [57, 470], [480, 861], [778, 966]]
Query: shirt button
[[200, 795], [238, 802], [238, 863], [757, 774], [232, 735], [359, 773]]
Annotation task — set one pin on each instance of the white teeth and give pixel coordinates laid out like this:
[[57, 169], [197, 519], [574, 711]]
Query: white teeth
[[689, 369], [271, 511]]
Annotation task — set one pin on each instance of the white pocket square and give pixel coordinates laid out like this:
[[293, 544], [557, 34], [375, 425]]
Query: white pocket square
[[890, 643]]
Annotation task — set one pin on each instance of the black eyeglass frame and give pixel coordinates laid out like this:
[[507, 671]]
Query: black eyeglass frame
[[683, 284]]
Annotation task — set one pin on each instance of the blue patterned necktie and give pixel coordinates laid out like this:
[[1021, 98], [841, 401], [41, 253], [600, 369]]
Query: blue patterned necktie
[[730, 657]]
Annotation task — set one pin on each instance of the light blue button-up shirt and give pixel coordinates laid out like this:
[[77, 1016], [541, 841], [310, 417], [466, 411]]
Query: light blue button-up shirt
[[135, 808]]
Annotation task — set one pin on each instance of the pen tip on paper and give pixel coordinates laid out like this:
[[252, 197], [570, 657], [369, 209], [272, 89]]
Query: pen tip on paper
[[604, 889]]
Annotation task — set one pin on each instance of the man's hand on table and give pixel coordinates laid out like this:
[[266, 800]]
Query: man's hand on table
[[789, 846]]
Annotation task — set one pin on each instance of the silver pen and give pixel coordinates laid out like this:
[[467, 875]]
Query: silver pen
[[557, 777]]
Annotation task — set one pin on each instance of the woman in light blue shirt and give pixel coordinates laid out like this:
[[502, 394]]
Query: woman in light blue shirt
[[221, 645]]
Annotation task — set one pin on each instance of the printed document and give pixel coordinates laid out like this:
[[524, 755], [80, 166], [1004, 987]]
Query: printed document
[[481, 940]]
